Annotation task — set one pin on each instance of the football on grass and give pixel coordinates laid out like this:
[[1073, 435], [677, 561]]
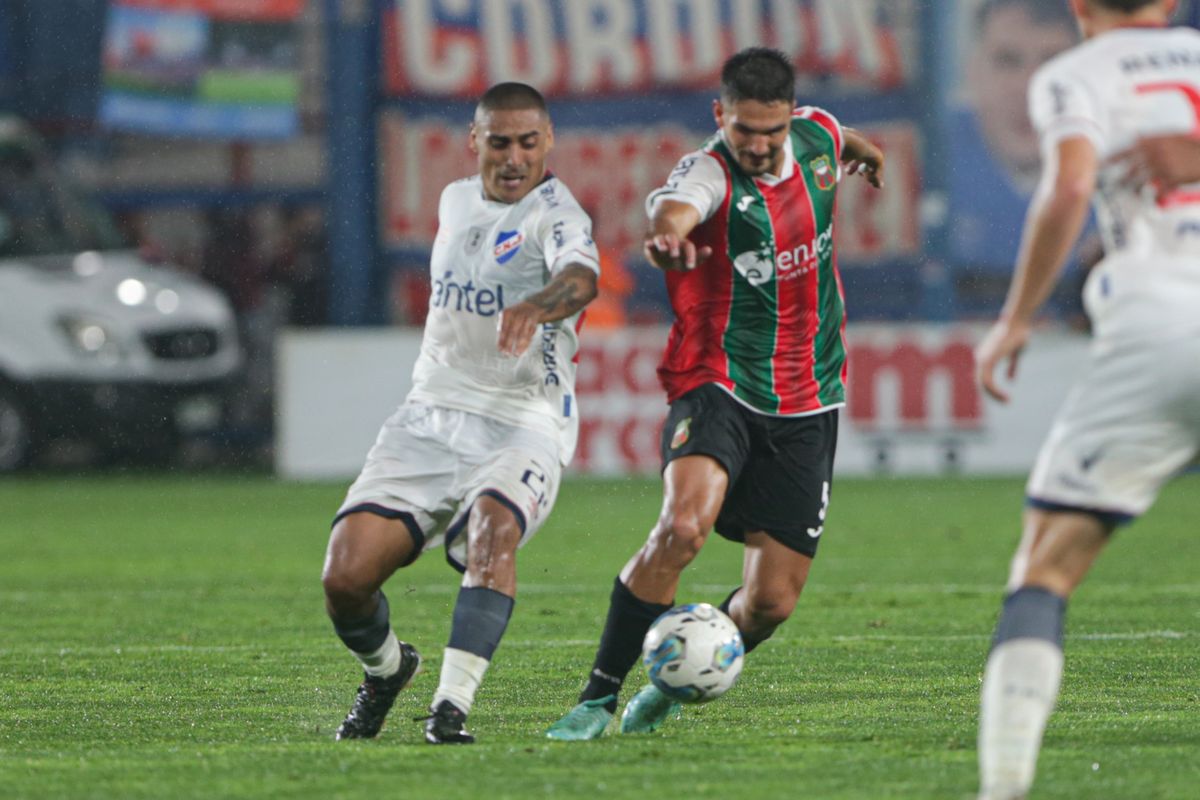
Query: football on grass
[[693, 653]]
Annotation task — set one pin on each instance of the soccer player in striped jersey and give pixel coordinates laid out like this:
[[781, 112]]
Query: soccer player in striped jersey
[[754, 369], [1132, 422]]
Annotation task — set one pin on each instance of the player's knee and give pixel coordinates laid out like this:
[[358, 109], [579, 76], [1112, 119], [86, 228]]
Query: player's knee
[[498, 533], [346, 588], [679, 537], [492, 545], [767, 609]]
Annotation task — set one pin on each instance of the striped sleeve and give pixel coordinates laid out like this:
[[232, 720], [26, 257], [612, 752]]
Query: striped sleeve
[[828, 122]]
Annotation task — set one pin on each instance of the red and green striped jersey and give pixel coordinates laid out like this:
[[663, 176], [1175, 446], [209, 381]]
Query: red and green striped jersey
[[764, 316]]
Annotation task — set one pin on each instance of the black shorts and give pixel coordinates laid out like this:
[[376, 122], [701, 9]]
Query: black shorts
[[780, 468]]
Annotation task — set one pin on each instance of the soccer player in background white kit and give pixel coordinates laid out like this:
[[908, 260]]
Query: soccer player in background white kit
[[1133, 421], [472, 459]]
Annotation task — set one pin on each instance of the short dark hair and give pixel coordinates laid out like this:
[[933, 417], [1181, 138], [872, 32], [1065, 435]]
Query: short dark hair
[[758, 73], [1043, 12], [512, 96], [1127, 6]]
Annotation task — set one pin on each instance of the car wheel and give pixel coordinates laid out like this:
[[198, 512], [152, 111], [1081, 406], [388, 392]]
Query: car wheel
[[16, 431]]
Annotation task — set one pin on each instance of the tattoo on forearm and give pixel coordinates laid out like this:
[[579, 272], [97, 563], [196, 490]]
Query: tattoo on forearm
[[565, 295], [552, 297]]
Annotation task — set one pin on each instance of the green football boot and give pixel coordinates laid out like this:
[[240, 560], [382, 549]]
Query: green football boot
[[585, 721], [646, 710]]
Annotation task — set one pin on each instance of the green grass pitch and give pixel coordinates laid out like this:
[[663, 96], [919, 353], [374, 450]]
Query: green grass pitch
[[164, 637]]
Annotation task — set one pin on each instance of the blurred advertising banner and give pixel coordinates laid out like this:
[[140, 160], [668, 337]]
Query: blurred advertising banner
[[572, 47], [631, 85], [994, 155], [207, 68], [610, 169], [914, 407]]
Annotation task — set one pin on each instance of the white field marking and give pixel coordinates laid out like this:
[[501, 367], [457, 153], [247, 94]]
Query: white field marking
[[970, 637], [99, 650], [602, 589], [123, 649], [984, 588]]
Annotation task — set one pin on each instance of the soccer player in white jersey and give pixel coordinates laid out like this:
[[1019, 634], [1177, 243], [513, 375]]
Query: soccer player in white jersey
[[1132, 422], [471, 460]]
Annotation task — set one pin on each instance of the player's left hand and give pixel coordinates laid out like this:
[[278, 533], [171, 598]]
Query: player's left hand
[[870, 169], [861, 157], [1004, 342], [516, 328]]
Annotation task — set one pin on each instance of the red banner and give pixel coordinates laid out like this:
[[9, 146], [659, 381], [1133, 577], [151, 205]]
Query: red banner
[[259, 10], [913, 386], [586, 47], [610, 171]]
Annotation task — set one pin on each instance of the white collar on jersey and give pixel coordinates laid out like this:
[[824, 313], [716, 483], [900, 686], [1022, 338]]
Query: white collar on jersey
[[789, 162]]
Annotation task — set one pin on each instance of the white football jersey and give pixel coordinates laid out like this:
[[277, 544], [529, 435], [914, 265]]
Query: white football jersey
[[488, 256], [1113, 89]]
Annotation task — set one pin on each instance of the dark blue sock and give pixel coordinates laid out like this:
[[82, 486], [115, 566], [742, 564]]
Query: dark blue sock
[[480, 617], [368, 634], [1031, 612]]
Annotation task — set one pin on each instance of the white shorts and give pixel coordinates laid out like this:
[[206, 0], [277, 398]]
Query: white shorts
[[1130, 425], [430, 464]]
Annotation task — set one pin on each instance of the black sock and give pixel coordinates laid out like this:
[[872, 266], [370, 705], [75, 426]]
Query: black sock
[[368, 634], [728, 601], [621, 643], [748, 641], [480, 617]]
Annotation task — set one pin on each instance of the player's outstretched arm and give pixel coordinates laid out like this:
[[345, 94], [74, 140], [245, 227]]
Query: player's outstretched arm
[[567, 292], [666, 245], [1056, 217], [861, 157], [1165, 162]]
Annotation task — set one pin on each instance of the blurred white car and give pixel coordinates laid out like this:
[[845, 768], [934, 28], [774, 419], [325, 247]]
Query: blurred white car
[[95, 342]]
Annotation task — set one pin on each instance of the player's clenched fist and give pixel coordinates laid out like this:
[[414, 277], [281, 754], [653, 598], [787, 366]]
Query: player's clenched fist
[[669, 251]]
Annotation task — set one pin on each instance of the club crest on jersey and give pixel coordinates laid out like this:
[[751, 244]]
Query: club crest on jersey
[[683, 432], [823, 173], [507, 245]]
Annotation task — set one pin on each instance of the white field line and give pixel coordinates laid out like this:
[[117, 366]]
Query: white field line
[[134, 649], [398, 589], [98, 650], [972, 637]]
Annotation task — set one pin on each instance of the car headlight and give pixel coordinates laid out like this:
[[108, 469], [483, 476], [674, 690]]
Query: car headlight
[[91, 338]]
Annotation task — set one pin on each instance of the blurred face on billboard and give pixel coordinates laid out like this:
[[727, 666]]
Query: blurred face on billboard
[[1011, 45], [755, 132], [511, 146]]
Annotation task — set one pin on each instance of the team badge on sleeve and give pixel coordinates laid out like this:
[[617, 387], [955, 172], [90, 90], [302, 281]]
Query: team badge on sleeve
[[683, 432], [474, 240]]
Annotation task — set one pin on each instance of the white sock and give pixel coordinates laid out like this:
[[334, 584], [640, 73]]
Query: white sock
[[382, 662], [462, 672], [1020, 687]]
